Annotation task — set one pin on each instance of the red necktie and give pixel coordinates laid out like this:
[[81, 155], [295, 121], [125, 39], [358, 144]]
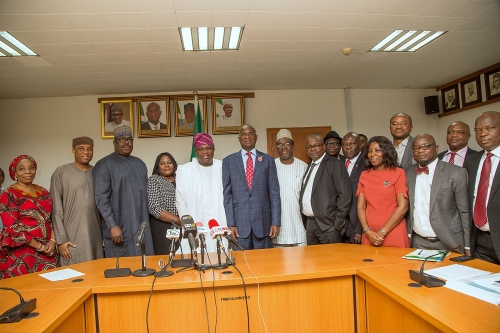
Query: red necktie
[[482, 192], [347, 163], [452, 158], [425, 170], [249, 172]]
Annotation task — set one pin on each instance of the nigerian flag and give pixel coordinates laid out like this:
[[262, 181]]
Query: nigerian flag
[[197, 128], [144, 119]]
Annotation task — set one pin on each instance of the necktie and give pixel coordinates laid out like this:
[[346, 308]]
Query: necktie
[[309, 174], [425, 170], [156, 127], [347, 163], [452, 158], [482, 192], [249, 172]]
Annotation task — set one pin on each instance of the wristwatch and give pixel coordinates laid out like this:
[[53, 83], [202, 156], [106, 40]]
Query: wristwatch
[[383, 232]]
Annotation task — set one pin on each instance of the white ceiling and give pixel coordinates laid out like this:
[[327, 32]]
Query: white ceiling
[[102, 47]]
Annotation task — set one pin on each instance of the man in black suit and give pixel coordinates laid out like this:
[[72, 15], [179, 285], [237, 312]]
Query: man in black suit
[[355, 164], [325, 196], [401, 127], [153, 112], [484, 193], [457, 138]]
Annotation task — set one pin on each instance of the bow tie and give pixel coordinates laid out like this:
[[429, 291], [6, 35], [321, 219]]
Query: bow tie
[[425, 170]]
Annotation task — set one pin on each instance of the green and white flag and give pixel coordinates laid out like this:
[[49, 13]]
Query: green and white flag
[[197, 128], [144, 119]]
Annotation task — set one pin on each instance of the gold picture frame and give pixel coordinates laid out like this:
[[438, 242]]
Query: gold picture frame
[[149, 111], [228, 113], [183, 126], [108, 120]]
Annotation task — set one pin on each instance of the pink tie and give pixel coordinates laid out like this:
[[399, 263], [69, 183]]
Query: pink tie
[[452, 158], [482, 192], [347, 163], [249, 172]]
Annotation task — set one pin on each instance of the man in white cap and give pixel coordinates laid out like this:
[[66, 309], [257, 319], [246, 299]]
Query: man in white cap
[[228, 119], [290, 172]]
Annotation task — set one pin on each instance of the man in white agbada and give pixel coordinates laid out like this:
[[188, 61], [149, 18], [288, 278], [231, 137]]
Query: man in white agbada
[[199, 190]]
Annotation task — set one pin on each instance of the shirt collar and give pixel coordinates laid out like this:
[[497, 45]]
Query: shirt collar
[[460, 152], [495, 152], [318, 161], [432, 166], [353, 160], [253, 151], [404, 143]]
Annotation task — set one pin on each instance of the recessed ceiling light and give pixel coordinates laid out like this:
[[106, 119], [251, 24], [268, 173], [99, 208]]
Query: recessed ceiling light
[[403, 40], [210, 38], [8, 43]]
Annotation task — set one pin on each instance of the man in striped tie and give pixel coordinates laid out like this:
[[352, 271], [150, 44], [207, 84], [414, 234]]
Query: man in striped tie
[[484, 193], [457, 138]]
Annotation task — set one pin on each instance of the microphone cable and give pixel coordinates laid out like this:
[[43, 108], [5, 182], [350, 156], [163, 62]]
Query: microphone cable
[[258, 291]]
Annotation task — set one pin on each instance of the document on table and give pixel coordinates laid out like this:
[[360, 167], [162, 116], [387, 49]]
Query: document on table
[[62, 274], [462, 279]]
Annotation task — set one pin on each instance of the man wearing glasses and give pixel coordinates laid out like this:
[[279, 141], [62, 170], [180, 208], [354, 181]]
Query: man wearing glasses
[[438, 214], [333, 143], [325, 196], [117, 116], [290, 172], [120, 192], [401, 126]]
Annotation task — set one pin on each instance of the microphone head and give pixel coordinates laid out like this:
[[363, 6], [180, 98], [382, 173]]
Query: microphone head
[[213, 223], [226, 230], [173, 233], [186, 219]]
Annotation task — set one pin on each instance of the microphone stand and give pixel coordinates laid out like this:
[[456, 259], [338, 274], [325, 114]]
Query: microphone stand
[[426, 279], [219, 264], [194, 262], [144, 271], [203, 246]]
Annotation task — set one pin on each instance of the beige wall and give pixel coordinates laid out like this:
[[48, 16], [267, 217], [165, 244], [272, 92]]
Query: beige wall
[[44, 127]]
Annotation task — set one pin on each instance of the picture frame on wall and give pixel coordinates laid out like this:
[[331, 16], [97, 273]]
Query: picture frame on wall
[[228, 113], [185, 110], [449, 97], [471, 91], [153, 117], [115, 113], [492, 84]]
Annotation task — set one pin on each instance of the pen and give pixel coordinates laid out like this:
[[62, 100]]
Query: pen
[[420, 252]]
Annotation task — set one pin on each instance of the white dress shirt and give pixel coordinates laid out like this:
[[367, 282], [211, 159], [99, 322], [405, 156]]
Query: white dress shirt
[[351, 165], [421, 209], [306, 198]]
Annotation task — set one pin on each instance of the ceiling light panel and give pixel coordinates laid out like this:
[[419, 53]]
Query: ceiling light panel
[[210, 38], [406, 40], [12, 47]]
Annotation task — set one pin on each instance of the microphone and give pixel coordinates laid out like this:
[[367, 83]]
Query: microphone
[[227, 232], [426, 279], [117, 271], [173, 235], [189, 230], [19, 311], [142, 232], [201, 233], [216, 232]]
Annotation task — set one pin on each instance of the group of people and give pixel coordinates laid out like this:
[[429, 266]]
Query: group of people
[[377, 192]]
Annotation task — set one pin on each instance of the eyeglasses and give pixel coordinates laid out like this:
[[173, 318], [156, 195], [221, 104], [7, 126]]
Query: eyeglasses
[[123, 140], [425, 147], [403, 123], [332, 143], [316, 146], [284, 145], [349, 144]]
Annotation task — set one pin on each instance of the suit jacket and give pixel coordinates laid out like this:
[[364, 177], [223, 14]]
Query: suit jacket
[[146, 127], [251, 210], [493, 207], [331, 194], [354, 226], [407, 159], [467, 153], [449, 204]]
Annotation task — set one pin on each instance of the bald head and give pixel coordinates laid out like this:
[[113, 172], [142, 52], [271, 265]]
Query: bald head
[[487, 130]]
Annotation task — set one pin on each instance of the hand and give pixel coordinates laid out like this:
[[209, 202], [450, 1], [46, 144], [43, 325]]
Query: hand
[[234, 232], [374, 238], [275, 230], [116, 235], [50, 247], [467, 252], [357, 239], [64, 251]]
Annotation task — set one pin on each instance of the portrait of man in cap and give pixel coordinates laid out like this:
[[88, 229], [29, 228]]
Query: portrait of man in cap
[[115, 114], [186, 113]]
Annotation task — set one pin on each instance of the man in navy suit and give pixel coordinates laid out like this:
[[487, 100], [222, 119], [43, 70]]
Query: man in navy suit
[[355, 164], [457, 138], [251, 194]]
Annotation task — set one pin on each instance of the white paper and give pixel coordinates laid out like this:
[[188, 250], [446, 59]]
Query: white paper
[[481, 294], [488, 281], [456, 272], [62, 274]]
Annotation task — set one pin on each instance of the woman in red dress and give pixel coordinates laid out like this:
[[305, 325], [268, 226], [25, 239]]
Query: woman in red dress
[[383, 196], [27, 240]]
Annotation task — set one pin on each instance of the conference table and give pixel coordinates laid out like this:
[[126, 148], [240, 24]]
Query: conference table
[[321, 288]]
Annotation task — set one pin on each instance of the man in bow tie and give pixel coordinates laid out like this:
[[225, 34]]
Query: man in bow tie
[[438, 215]]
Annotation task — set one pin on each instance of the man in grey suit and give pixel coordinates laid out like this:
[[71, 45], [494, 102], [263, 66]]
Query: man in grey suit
[[484, 184], [438, 215], [355, 164], [401, 127], [251, 194], [457, 138], [325, 196]]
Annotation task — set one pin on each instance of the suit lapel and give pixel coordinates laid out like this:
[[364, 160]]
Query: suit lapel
[[358, 166], [495, 184], [411, 179], [258, 167], [238, 160], [321, 169], [437, 181], [472, 175]]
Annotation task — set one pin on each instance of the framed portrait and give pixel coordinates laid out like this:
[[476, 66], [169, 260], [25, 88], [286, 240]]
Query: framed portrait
[[228, 113], [492, 80], [153, 117], [185, 111], [114, 114], [471, 91], [449, 97]]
